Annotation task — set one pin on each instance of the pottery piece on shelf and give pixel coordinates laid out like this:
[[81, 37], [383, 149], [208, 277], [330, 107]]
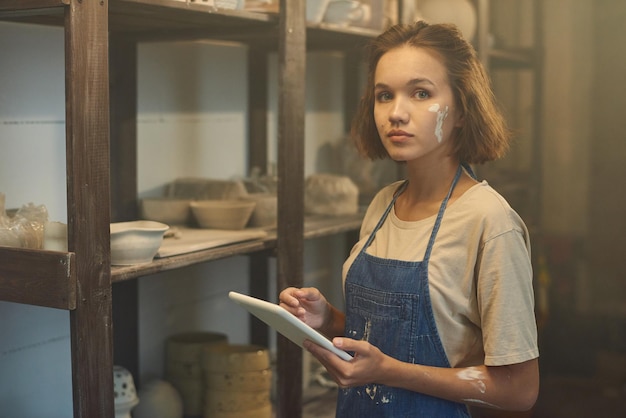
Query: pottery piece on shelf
[[135, 242], [222, 214]]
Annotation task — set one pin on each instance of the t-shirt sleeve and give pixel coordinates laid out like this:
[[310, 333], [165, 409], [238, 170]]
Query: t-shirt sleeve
[[506, 299]]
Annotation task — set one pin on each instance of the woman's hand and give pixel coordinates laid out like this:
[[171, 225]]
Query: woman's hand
[[367, 366], [308, 304]]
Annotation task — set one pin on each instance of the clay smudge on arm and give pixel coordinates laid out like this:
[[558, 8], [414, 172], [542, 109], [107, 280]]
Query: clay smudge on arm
[[473, 375]]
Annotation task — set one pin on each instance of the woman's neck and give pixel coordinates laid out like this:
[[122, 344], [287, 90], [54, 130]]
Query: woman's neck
[[427, 187], [430, 181]]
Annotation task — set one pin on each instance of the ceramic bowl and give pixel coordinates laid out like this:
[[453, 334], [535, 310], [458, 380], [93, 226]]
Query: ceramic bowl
[[135, 242], [222, 214], [266, 210], [195, 188], [167, 210]]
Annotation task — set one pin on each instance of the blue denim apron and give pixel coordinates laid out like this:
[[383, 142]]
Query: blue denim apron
[[388, 304]]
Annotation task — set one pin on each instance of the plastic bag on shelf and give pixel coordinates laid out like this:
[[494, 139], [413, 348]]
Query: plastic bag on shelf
[[25, 228]]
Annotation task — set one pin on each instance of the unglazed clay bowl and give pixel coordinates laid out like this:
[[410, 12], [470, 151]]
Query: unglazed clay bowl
[[223, 214], [135, 242], [266, 210], [168, 210]]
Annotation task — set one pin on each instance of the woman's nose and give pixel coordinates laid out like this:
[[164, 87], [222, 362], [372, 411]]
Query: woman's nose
[[399, 113]]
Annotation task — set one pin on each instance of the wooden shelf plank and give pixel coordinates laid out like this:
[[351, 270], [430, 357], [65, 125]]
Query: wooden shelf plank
[[332, 37], [24, 5], [170, 15], [42, 278], [175, 262], [47, 278], [314, 227], [163, 20]]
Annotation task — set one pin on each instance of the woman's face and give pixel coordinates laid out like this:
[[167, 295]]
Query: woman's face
[[414, 106]]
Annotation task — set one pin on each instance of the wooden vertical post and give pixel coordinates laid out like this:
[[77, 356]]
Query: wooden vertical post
[[290, 230], [88, 201]]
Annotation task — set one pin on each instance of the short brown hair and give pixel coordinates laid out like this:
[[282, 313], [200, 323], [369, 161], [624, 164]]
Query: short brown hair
[[483, 136]]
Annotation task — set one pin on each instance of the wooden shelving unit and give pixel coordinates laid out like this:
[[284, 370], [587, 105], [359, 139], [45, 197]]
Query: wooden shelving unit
[[519, 51], [101, 40]]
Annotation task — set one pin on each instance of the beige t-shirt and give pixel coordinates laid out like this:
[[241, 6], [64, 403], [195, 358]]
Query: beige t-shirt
[[480, 275]]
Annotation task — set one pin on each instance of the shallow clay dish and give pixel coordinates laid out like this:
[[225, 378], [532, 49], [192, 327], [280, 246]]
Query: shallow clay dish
[[223, 214]]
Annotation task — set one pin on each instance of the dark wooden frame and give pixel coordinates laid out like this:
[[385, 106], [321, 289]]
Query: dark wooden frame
[[102, 139]]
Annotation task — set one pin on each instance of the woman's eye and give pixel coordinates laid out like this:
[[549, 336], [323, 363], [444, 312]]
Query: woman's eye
[[383, 96], [421, 94]]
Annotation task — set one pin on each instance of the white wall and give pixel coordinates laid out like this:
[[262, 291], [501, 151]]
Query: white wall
[[35, 375], [192, 121]]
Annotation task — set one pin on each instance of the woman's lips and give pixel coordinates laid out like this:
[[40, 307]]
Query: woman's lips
[[398, 135]]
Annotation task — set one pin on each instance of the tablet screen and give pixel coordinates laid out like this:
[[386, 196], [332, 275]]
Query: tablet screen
[[285, 323]]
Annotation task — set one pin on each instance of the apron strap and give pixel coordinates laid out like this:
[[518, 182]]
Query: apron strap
[[442, 208], [469, 170]]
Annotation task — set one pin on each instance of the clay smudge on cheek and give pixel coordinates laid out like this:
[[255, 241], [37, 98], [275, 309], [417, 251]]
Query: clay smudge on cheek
[[441, 116]]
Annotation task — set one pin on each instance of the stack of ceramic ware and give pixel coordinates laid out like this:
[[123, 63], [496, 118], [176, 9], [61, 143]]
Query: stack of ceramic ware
[[239, 382], [125, 395], [183, 366]]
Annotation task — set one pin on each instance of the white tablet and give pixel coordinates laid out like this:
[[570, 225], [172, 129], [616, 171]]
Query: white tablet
[[285, 323]]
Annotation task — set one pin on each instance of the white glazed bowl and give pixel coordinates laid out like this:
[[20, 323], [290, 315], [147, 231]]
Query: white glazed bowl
[[222, 214], [169, 210], [135, 242]]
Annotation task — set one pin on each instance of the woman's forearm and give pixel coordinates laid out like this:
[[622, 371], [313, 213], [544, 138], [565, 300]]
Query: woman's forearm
[[513, 387]]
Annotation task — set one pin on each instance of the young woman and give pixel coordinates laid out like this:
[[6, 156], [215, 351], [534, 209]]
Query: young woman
[[439, 298]]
